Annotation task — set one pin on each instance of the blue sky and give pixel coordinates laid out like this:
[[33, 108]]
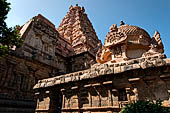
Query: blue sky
[[150, 15]]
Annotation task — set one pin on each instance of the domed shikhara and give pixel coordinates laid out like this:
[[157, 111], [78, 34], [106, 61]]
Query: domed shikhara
[[128, 42], [133, 30]]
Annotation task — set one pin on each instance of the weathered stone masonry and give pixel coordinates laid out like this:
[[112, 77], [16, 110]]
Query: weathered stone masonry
[[130, 66], [107, 87], [71, 72], [45, 53]]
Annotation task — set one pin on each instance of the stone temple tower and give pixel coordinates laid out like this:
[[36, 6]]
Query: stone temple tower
[[77, 29]]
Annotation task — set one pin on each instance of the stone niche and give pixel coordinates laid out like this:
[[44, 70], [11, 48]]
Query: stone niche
[[137, 45]]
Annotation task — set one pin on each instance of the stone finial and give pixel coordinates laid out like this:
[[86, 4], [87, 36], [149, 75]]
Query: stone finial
[[77, 7], [122, 23], [82, 9]]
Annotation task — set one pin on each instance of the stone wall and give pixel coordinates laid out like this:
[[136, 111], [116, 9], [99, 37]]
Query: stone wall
[[36, 59], [39, 41], [18, 75], [43, 54], [81, 61], [107, 87]]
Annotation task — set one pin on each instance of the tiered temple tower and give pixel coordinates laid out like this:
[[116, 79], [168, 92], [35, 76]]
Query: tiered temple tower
[[77, 29]]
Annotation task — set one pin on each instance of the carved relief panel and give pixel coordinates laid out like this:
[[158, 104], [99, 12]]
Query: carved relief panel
[[40, 42], [114, 38]]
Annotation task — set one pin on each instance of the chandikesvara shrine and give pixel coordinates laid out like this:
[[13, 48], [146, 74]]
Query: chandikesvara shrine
[[68, 70]]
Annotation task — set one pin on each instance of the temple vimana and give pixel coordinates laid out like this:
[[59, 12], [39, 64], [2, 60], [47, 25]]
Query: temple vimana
[[68, 70]]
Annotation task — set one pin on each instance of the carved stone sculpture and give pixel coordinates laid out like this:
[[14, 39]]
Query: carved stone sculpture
[[128, 42], [156, 46]]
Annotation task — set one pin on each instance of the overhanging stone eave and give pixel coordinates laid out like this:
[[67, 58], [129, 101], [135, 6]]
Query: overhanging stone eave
[[103, 70], [109, 79]]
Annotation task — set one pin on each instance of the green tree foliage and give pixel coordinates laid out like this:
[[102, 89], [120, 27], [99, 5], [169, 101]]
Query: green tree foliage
[[9, 37], [145, 107]]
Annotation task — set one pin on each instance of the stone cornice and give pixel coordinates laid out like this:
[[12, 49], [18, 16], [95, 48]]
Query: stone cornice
[[99, 70]]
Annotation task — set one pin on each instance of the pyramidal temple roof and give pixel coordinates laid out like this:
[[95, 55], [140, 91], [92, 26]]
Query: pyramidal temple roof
[[77, 29]]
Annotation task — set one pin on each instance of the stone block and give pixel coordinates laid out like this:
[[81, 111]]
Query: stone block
[[109, 70], [136, 66], [68, 78], [126, 68], [117, 70], [75, 77], [62, 79], [147, 64], [159, 62], [101, 71], [85, 76], [93, 74]]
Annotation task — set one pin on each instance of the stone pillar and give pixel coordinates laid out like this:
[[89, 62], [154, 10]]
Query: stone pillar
[[123, 50], [55, 101]]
